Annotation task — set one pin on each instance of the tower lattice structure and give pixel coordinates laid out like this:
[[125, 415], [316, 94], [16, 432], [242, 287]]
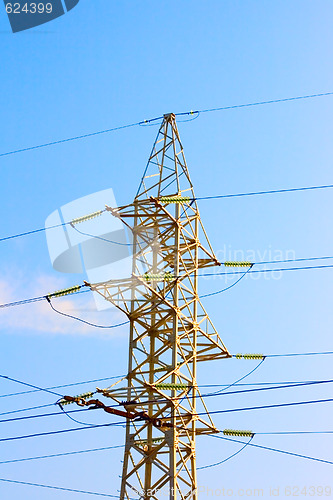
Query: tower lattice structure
[[170, 331]]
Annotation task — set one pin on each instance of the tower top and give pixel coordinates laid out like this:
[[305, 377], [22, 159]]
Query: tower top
[[166, 173]]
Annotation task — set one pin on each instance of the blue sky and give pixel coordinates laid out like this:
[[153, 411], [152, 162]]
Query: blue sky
[[109, 63]]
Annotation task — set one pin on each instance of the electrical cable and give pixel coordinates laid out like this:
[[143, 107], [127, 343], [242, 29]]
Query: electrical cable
[[226, 459], [268, 270], [49, 433], [294, 432], [29, 417], [72, 418], [298, 354], [214, 394], [151, 120], [106, 448], [84, 136], [34, 299], [60, 387], [257, 193], [231, 273], [273, 449], [82, 320], [269, 406], [286, 386], [60, 488], [27, 409], [260, 103], [279, 385], [61, 454], [240, 379], [30, 385], [228, 287], [101, 238], [27, 233]]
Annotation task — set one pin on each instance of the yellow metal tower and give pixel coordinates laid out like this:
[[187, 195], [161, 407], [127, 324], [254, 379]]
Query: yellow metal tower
[[170, 331]]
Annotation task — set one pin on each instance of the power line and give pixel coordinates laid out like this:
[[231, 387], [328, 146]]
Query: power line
[[82, 320], [40, 415], [32, 232], [281, 385], [230, 273], [59, 488], [242, 378], [227, 288], [34, 299], [257, 389], [298, 354], [268, 270], [60, 386], [106, 448], [256, 193], [270, 406], [214, 394], [152, 120], [235, 195], [226, 459], [30, 385], [260, 103], [39, 434], [274, 449], [294, 432], [27, 409], [61, 454], [84, 136]]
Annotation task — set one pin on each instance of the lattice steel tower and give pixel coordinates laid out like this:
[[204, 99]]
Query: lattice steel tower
[[170, 331]]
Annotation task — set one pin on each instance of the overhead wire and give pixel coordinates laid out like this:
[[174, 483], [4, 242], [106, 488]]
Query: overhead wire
[[152, 120], [62, 431], [251, 271], [257, 193], [27, 233], [242, 378], [230, 273], [214, 394], [84, 321], [273, 449], [264, 407], [50, 414], [31, 385], [280, 385], [54, 455], [62, 386], [227, 288], [60, 488], [226, 459], [107, 448]]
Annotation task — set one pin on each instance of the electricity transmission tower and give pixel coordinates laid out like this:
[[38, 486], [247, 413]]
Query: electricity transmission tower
[[170, 331]]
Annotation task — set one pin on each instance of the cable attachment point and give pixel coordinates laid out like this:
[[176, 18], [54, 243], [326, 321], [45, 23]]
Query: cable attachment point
[[172, 386], [232, 432], [249, 356], [238, 264], [67, 400], [175, 199], [65, 291], [168, 276], [78, 220]]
